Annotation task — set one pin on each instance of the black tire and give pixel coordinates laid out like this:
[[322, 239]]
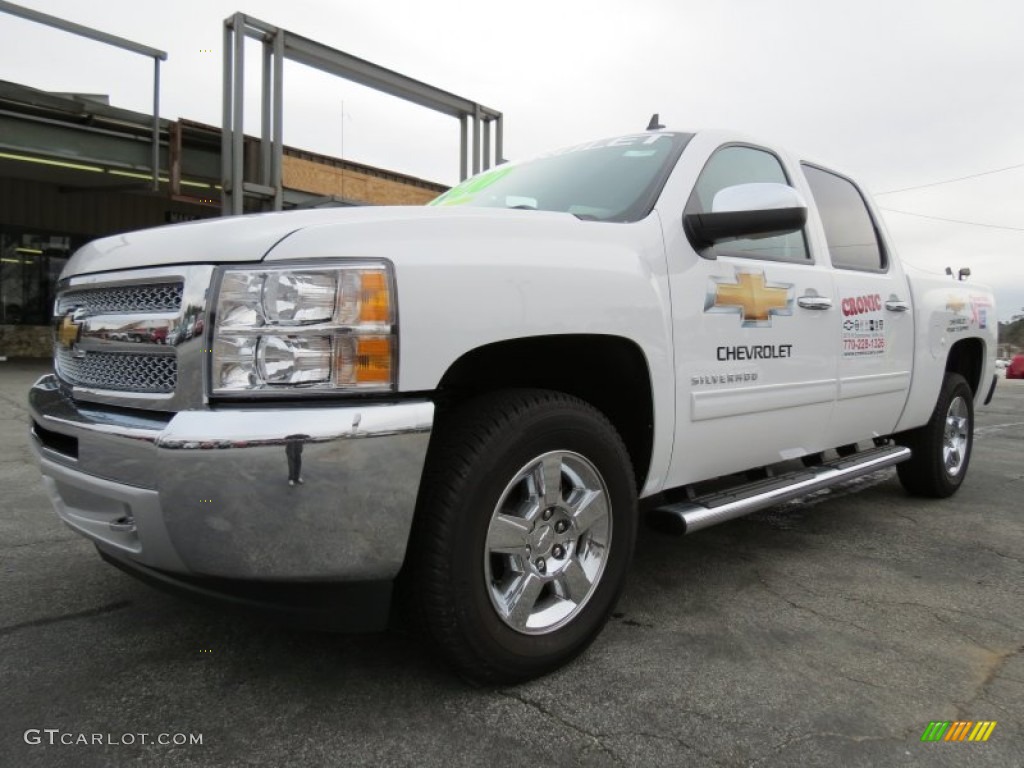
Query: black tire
[[941, 449], [477, 457]]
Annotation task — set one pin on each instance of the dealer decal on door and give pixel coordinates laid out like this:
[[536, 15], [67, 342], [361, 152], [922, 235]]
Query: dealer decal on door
[[863, 333]]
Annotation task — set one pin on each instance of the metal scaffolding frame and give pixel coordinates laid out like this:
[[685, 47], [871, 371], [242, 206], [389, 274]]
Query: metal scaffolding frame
[[279, 44], [113, 40]]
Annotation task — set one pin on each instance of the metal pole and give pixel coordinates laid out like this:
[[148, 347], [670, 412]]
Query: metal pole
[[499, 136], [78, 29], [265, 111], [276, 177], [237, 128], [174, 158], [156, 124], [463, 147], [476, 142], [225, 125], [487, 144]]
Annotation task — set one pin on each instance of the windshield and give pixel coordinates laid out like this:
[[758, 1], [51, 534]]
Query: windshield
[[608, 180]]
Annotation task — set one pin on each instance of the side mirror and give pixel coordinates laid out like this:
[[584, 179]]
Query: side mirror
[[747, 210]]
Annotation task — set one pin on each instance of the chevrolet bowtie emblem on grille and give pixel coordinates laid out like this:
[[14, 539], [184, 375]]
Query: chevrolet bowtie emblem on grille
[[751, 297], [69, 330]]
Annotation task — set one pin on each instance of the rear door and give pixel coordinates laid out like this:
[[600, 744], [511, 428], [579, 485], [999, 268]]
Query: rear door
[[874, 337]]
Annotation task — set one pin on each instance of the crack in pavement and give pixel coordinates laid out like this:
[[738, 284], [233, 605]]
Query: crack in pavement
[[595, 738], [914, 520], [665, 737], [998, 662], [931, 609], [1001, 554], [65, 617], [17, 404], [808, 609], [599, 738], [947, 622], [853, 679], [959, 631], [782, 746]]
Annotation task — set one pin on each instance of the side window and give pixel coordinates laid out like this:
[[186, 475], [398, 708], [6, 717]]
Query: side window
[[849, 229], [746, 165]]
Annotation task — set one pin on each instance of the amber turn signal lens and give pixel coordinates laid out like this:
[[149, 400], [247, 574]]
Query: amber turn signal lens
[[373, 360], [375, 299]]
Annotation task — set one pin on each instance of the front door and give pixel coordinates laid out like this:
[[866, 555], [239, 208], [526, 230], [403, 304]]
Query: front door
[[753, 333]]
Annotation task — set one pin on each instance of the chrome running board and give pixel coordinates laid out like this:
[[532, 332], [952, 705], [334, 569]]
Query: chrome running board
[[705, 511]]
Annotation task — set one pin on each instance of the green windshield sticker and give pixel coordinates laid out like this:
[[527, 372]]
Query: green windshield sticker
[[470, 188]]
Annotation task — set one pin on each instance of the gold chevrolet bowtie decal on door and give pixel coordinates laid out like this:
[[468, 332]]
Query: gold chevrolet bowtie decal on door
[[750, 296]]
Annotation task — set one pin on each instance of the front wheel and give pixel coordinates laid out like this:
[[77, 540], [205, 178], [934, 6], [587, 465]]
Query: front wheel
[[941, 449], [524, 533]]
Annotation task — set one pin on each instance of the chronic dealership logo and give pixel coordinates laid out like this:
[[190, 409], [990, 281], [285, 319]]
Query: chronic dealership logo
[[751, 297]]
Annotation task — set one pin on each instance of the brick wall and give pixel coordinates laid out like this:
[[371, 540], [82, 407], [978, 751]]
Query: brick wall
[[26, 341], [322, 179]]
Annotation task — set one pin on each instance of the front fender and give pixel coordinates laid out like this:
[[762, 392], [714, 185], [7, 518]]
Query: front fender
[[474, 283]]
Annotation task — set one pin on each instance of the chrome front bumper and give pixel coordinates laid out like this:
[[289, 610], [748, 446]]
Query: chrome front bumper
[[216, 493]]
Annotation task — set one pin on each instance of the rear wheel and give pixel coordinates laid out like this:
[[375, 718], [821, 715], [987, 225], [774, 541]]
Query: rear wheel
[[524, 533], [941, 449]]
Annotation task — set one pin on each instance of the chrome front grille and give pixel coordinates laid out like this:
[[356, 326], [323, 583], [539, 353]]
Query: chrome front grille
[[143, 299], [134, 338], [120, 372]]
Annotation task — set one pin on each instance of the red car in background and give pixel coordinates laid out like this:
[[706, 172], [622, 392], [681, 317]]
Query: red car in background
[[1015, 370]]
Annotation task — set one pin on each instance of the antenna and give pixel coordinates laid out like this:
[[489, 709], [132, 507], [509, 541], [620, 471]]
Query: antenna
[[654, 125]]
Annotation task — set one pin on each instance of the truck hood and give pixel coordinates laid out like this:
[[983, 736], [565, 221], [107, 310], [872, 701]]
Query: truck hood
[[252, 238]]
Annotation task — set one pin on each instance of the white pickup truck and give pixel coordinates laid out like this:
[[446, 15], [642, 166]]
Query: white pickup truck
[[301, 410]]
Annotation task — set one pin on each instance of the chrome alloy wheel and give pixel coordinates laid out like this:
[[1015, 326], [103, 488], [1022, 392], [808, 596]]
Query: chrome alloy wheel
[[547, 543], [955, 437]]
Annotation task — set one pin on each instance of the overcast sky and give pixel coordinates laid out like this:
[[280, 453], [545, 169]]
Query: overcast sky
[[898, 93]]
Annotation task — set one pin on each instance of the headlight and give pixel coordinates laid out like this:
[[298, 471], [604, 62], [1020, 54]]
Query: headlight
[[311, 327]]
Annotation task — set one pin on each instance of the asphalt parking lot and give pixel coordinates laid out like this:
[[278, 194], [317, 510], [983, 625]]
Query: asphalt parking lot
[[828, 632]]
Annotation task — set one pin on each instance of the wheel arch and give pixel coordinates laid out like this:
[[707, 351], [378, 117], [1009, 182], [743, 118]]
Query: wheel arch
[[609, 372], [967, 357]]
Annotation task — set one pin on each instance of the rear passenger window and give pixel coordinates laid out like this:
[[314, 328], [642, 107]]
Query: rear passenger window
[[849, 229], [732, 165]]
